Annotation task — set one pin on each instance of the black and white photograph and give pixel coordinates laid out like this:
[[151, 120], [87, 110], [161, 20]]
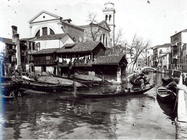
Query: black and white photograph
[[93, 69]]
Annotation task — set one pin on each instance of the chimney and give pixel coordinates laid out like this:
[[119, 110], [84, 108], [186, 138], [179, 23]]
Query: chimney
[[15, 39]]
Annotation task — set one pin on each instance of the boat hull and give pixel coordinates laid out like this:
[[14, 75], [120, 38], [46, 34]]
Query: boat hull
[[166, 96], [38, 86], [114, 94]]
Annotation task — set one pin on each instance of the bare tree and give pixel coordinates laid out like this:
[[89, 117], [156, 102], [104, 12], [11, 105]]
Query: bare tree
[[118, 39], [94, 29], [137, 48]]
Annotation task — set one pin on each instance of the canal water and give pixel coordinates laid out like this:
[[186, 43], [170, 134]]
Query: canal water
[[57, 116]]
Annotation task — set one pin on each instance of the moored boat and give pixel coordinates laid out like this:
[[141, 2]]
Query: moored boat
[[40, 86], [166, 96], [124, 92], [168, 109]]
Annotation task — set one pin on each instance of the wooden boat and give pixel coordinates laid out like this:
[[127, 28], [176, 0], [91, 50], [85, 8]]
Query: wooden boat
[[168, 109], [40, 86], [165, 95], [166, 81], [124, 92]]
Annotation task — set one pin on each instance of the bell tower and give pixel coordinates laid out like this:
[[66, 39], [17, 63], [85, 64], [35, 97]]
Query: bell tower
[[109, 15]]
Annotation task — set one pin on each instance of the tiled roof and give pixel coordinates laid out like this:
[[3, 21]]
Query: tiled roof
[[109, 60], [51, 37], [71, 48], [6, 40], [45, 51], [79, 47]]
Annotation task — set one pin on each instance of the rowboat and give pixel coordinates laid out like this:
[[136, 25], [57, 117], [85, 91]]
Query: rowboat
[[124, 92], [165, 95]]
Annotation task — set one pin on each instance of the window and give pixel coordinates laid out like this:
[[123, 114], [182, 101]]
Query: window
[[48, 57], [44, 31], [103, 38], [106, 17], [110, 17], [160, 52], [51, 32], [38, 34]]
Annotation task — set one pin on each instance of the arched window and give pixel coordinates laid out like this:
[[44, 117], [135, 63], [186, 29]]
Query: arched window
[[38, 34], [44, 31], [51, 32], [110, 17], [106, 17]]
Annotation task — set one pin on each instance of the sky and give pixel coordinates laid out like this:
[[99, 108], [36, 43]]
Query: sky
[[154, 20]]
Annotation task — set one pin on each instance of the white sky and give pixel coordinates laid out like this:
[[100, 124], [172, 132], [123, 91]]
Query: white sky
[[155, 22]]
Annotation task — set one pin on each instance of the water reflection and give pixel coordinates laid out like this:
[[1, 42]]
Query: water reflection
[[55, 116]]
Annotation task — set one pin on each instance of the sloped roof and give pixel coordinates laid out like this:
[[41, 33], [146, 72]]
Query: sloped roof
[[109, 59], [6, 40], [45, 51], [79, 47], [46, 12], [71, 48]]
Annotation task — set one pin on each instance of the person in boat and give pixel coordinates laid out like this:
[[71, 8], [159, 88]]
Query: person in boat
[[139, 80]]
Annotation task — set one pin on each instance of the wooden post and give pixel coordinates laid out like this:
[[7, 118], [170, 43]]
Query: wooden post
[[74, 87]]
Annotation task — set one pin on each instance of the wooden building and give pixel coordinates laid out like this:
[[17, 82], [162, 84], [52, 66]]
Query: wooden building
[[82, 57]]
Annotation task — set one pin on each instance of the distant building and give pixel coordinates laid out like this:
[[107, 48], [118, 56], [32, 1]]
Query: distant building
[[161, 56], [179, 50], [8, 57], [140, 64]]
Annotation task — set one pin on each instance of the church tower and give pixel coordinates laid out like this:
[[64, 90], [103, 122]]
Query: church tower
[[109, 13]]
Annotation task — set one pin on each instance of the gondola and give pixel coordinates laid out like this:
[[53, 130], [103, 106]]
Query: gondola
[[124, 92], [168, 109], [166, 96]]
